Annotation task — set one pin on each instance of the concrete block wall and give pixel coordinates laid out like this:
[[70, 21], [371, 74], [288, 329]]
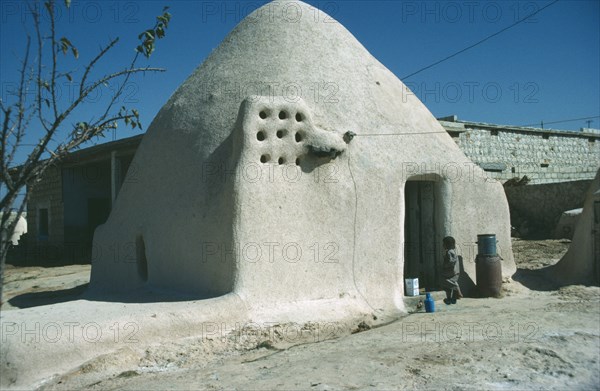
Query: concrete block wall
[[47, 193], [545, 156]]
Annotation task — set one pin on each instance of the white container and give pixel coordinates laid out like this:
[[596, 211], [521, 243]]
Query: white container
[[411, 287]]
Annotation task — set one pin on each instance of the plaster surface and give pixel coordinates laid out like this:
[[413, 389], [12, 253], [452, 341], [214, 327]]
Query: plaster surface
[[272, 227], [581, 263]]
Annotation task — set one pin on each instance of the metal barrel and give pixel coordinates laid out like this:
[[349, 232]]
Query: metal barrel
[[486, 244], [488, 272]]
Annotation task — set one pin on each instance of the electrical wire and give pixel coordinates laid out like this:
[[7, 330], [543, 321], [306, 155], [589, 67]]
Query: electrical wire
[[481, 41], [563, 121]]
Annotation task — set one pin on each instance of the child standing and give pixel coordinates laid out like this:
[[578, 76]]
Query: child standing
[[451, 271]]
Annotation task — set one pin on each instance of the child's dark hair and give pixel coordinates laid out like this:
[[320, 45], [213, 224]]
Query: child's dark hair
[[449, 243]]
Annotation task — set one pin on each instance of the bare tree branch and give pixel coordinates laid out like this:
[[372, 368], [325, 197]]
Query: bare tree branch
[[50, 7], [89, 67], [3, 166], [41, 83], [23, 111]]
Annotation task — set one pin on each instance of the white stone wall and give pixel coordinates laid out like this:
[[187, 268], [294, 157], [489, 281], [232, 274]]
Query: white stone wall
[[569, 156]]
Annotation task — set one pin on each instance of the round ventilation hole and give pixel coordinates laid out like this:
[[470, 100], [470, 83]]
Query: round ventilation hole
[[299, 117], [260, 136], [265, 158], [282, 115], [281, 160], [262, 114], [281, 133], [298, 137]]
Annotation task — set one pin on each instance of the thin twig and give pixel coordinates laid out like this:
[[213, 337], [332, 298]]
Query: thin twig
[[36, 20], [54, 47], [93, 62]]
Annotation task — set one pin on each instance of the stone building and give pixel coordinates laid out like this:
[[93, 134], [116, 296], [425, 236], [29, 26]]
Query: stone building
[[545, 172], [543, 155], [72, 199]]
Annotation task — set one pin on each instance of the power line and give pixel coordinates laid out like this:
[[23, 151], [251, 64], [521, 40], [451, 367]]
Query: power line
[[565, 120], [481, 41], [397, 134]]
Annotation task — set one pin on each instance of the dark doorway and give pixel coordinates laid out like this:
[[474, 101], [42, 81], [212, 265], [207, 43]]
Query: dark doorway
[[98, 211], [43, 224], [140, 255], [421, 238]]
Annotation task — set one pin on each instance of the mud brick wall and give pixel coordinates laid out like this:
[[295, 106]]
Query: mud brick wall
[[536, 209]]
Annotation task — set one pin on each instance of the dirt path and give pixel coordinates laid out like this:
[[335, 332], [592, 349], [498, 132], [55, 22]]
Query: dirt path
[[536, 337], [539, 340], [33, 285]]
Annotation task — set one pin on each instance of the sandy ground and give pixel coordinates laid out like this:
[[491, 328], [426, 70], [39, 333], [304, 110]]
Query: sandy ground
[[538, 336], [32, 286]]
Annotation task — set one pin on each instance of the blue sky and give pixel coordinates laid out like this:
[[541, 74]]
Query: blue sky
[[547, 68]]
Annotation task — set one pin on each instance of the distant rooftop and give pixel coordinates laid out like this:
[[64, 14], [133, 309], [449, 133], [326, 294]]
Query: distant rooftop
[[452, 123]]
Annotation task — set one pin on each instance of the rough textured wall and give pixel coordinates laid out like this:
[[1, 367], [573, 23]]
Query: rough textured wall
[[190, 230], [545, 156], [536, 209], [581, 263]]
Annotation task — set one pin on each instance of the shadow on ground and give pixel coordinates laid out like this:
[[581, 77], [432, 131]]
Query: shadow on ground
[[81, 292], [536, 279], [35, 299]]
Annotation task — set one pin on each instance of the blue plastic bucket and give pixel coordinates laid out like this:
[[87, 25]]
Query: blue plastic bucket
[[486, 244]]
